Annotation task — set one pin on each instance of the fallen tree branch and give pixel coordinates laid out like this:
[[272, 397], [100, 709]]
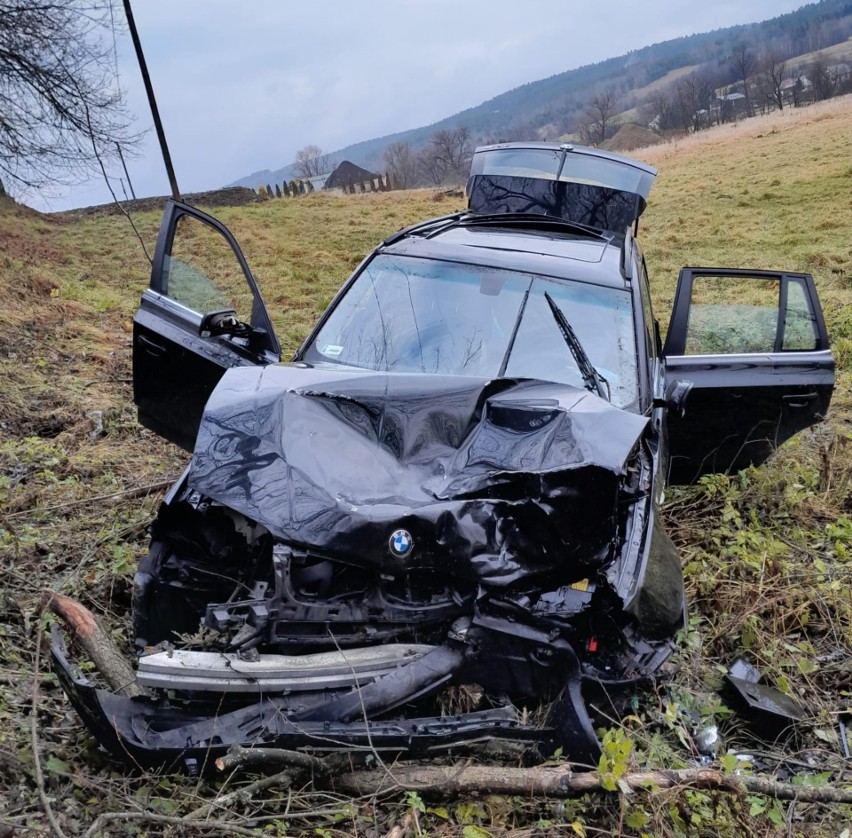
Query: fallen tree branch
[[34, 744], [446, 781], [282, 780], [299, 767], [98, 645], [125, 493], [450, 781], [402, 828], [101, 822], [239, 758]]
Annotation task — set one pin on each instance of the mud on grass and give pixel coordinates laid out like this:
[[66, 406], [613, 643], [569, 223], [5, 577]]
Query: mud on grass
[[767, 553]]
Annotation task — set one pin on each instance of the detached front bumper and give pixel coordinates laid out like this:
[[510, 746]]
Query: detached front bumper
[[153, 732]]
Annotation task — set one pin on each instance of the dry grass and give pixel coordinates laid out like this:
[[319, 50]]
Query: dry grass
[[772, 192]]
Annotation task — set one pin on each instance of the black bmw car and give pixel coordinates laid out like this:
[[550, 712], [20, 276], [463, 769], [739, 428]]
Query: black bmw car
[[438, 525]]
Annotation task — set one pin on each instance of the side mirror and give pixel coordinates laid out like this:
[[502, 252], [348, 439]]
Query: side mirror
[[222, 322], [677, 393], [258, 339]]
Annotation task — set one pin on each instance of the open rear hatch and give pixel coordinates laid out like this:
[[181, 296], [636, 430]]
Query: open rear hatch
[[581, 185]]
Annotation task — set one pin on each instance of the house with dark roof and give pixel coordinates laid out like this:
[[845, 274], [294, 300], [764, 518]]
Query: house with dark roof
[[348, 175]]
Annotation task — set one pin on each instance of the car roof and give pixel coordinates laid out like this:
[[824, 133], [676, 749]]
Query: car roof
[[531, 245]]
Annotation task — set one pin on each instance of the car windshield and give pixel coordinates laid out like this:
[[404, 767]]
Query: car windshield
[[405, 314]]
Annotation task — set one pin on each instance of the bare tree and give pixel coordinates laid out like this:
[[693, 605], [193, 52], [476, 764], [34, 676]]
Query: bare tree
[[660, 111], [312, 161], [447, 156], [432, 169], [601, 121], [695, 94], [743, 63], [797, 92], [401, 162], [60, 105], [770, 78], [822, 79], [455, 149]]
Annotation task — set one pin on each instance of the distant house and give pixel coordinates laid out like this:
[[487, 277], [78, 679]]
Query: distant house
[[347, 175], [728, 106], [317, 181], [802, 82], [839, 72]]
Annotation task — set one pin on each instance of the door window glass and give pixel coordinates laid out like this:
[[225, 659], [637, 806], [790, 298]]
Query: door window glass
[[800, 328], [732, 315], [739, 314], [202, 271], [647, 308]]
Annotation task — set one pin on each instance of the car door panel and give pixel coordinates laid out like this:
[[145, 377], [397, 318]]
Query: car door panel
[[175, 368], [743, 404]]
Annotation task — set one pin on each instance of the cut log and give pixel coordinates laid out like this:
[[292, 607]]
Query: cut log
[[97, 644]]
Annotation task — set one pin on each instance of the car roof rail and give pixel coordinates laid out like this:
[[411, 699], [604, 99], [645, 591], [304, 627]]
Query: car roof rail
[[628, 248], [440, 223]]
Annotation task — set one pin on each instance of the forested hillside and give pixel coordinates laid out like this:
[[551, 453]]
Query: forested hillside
[[642, 86]]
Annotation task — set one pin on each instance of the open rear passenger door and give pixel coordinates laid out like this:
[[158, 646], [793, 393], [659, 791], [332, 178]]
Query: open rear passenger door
[[753, 344], [201, 314]]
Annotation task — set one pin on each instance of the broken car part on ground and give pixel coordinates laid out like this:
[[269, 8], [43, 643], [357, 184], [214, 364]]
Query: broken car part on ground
[[438, 525]]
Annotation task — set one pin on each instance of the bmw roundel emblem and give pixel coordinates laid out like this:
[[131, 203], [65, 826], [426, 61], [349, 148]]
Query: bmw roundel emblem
[[401, 543]]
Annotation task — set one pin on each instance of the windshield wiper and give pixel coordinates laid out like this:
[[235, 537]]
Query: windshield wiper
[[593, 380]]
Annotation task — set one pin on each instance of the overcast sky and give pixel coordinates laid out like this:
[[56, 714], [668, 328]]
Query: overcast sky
[[242, 86]]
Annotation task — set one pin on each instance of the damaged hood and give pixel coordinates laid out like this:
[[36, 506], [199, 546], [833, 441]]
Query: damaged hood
[[495, 480]]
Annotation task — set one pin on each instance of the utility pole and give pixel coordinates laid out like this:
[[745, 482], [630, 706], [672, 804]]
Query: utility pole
[[158, 125]]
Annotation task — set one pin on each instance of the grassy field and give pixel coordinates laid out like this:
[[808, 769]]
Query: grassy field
[[767, 553]]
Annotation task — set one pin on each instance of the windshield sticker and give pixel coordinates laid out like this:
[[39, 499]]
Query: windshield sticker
[[332, 349]]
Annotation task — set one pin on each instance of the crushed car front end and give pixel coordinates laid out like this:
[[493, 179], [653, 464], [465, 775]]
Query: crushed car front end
[[483, 563]]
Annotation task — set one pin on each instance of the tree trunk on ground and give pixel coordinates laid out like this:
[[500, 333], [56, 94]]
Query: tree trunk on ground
[[547, 780], [89, 633], [462, 778]]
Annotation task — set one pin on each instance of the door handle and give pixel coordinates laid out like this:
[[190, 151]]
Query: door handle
[[798, 400], [152, 347]]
